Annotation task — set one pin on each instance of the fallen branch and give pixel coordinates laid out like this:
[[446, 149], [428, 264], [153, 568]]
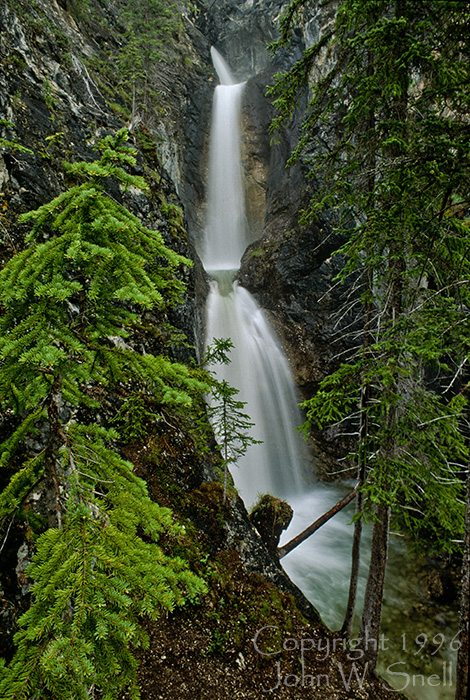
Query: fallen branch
[[295, 541]]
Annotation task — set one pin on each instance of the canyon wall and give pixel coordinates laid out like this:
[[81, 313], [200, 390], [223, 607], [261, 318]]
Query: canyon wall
[[56, 91]]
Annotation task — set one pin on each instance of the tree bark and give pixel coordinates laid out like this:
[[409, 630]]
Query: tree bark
[[397, 264], [346, 629], [372, 611], [462, 690], [371, 166]]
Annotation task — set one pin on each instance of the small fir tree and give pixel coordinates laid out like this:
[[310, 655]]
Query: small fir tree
[[226, 412], [152, 28]]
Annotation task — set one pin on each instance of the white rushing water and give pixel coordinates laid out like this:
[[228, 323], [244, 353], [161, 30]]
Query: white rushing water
[[226, 234], [260, 371], [258, 368]]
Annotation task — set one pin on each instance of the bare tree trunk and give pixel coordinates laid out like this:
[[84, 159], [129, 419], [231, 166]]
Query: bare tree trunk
[[346, 630], [372, 612], [462, 690]]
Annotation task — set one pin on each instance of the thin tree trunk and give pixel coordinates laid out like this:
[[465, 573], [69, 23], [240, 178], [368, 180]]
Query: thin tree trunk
[[371, 164], [346, 630], [225, 450], [372, 612], [462, 690], [55, 441]]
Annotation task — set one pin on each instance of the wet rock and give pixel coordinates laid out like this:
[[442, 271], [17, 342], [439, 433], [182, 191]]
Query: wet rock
[[241, 30], [440, 586], [241, 535]]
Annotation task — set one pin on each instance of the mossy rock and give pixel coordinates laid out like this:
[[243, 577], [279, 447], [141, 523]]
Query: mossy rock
[[271, 516]]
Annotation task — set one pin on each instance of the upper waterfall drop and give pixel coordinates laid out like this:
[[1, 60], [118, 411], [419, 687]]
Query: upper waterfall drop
[[226, 232], [221, 68]]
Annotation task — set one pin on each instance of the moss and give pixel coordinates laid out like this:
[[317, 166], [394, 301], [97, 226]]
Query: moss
[[258, 253], [16, 61], [241, 603], [147, 143], [271, 516], [207, 510], [175, 217], [119, 110]]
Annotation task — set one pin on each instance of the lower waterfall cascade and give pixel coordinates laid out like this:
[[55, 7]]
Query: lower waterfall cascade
[[279, 464]]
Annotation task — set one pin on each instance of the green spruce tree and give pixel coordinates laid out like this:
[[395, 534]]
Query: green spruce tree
[[70, 301]]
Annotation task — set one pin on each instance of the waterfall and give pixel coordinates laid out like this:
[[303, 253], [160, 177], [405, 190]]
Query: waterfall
[[258, 368], [226, 235]]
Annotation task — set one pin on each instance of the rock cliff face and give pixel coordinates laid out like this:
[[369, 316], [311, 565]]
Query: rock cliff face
[[241, 31], [60, 91]]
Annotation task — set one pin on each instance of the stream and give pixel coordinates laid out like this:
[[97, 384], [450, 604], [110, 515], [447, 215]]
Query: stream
[[417, 650]]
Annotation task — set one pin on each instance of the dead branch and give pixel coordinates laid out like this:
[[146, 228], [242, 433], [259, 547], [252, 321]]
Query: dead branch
[[295, 541]]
